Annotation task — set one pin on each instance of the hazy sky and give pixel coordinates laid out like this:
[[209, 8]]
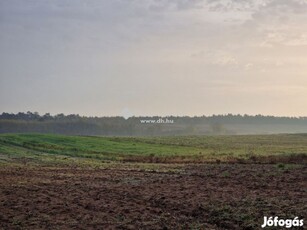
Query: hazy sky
[[154, 57]]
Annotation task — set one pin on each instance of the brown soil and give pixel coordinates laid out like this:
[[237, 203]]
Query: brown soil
[[212, 196]]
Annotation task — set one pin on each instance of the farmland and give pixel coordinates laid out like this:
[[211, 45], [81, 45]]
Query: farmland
[[37, 148], [188, 182]]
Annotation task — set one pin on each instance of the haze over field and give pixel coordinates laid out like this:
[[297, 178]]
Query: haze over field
[[154, 57]]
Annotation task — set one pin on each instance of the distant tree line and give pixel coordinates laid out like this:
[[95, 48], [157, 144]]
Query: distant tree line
[[75, 124]]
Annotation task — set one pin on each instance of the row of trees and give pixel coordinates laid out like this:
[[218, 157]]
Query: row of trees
[[74, 124], [35, 116]]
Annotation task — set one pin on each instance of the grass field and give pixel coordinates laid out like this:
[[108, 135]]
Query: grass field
[[192, 182], [38, 148]]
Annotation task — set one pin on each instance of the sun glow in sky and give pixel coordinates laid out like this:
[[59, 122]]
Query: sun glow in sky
[[154, 57]]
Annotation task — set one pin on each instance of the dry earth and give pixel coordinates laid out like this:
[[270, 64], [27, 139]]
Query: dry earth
[[209, 196]]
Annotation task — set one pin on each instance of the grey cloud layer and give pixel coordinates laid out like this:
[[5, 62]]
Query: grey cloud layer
[[65, 55]]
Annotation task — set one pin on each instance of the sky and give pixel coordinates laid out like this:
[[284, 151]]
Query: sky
[[154, 57]]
